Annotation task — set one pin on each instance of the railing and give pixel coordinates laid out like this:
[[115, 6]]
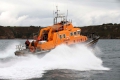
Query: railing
[[20, 47]]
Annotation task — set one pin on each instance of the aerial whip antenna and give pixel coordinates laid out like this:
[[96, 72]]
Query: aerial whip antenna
[[67, 15], [53, 17]]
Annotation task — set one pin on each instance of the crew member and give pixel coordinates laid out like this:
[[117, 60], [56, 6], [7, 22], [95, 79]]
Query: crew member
[[27, 43], [32, 48]]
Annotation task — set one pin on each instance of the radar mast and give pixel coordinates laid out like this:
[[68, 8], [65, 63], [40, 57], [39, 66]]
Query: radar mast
[[58, 15]]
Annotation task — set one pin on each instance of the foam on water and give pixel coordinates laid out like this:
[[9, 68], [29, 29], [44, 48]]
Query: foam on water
[[77, 57], [9, 51]]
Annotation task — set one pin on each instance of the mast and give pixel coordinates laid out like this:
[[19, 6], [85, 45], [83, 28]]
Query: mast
[[58, 16], [67, 15], [55, 18]]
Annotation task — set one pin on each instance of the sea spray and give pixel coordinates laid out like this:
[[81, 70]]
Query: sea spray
[[77, 57], [9, 50]]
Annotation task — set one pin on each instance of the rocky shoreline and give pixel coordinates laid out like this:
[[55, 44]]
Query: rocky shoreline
[[105, 31]]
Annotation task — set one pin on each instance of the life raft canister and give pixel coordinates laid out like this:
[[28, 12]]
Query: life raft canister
[[32, 49]]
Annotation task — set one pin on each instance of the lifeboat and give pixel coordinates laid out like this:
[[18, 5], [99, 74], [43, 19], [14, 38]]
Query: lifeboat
[[62, 32]]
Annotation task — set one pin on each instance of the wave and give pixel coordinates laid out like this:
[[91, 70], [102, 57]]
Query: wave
[[76, 57]]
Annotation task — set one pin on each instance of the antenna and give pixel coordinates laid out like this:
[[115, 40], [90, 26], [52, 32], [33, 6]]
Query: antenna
[[67, 15], [57, 11], [58, 15], [53, 17]]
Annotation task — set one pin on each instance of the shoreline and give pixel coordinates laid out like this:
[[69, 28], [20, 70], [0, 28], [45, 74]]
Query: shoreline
[[105, 31]]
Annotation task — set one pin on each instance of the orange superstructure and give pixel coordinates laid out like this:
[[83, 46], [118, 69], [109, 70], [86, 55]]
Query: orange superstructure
[[59, 33]]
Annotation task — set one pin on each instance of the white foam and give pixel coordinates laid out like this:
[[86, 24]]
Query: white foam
[[9, 51], [77, 57]]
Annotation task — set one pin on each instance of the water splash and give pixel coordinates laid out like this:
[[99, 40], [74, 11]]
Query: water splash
[[9, 51], [77, 57]]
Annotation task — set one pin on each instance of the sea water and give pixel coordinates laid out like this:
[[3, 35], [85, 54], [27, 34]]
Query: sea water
[[75, 57]]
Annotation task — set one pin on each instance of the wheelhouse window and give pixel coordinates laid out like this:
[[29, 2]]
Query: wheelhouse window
[[75, 33], [78, 32], [71, 33], [60, 36], [64, 36]]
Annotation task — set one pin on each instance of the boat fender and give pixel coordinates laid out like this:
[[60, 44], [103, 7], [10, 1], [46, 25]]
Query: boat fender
[[32, 49]]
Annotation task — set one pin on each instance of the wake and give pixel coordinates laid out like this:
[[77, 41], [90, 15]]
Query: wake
[[77, 57]]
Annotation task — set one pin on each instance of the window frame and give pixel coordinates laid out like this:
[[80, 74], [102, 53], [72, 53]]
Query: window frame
[[75, 33], [64, 36], [60, 36], [71, 34]]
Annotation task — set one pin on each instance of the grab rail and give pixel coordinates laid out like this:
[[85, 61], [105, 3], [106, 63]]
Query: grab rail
[[20, 47]]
